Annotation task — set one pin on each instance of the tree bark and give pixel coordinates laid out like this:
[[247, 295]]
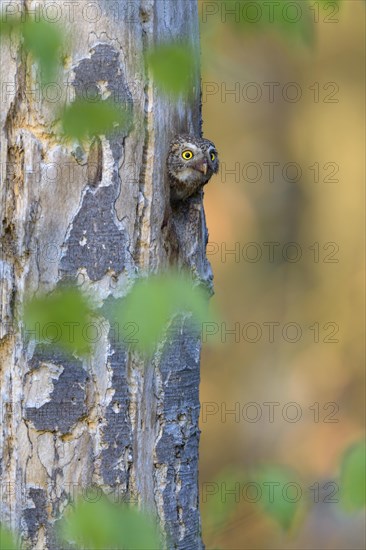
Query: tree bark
[[116, 421]]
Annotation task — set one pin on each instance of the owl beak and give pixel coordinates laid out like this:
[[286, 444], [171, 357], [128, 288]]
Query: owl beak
[[202, 166]]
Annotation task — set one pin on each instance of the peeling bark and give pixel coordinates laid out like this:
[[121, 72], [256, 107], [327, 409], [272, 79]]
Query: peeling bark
[[97, 218]]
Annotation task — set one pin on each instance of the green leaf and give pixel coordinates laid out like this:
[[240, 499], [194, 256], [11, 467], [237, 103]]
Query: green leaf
[[174, 67], [60, 318], [100, 525], [9, 23], [153, 302], [84, 119], [43, 40], [281, 494], [352, 479], [7, 541], [221, 497]]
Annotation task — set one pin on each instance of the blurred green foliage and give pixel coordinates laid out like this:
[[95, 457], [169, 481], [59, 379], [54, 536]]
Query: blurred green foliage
[[84, 119], [44, 42], [279, 494], [352, 479], [174, 67], [102, 524], [153, 302], [39, 38], [219, 511], [278, 499], [81, 119], [7, 541], [151, 305], [60, 317]]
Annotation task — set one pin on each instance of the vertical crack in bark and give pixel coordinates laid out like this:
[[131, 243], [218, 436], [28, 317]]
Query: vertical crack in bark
[[142, 371], [143, 218], [11, 280]]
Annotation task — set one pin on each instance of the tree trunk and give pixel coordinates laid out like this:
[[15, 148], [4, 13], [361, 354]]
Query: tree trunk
[[116, 421]]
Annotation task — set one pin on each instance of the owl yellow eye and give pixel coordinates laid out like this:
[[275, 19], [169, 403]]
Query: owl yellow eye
[[187, 155], [213, 156]]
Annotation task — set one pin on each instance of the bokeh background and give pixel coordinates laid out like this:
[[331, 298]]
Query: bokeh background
[[317, 284]]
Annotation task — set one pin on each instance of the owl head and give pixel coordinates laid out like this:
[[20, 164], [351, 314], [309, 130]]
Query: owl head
[[191, 162]]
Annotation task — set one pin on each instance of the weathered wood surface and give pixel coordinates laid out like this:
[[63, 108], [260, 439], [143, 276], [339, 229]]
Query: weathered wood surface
[[112, 421]]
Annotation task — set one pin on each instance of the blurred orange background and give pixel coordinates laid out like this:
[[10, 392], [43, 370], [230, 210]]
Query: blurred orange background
[[313, 197]]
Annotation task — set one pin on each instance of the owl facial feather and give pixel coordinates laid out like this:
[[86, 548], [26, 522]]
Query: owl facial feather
[[191, 163]]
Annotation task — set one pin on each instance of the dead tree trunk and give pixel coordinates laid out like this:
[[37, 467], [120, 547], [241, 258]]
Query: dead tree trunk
[[112, 421]]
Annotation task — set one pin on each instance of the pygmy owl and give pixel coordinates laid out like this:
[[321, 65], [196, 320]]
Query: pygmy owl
[[191, 162]]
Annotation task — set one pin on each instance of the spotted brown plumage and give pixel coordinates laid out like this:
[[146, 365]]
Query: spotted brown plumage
[[191, 162]]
